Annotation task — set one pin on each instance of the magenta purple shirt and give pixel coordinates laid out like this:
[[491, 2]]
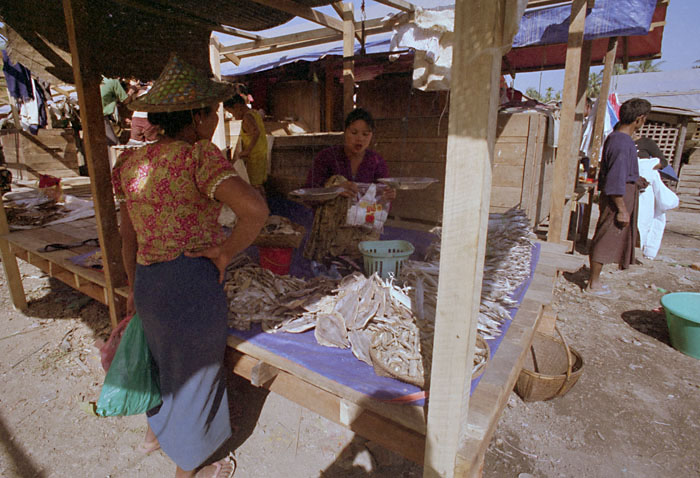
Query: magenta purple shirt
[[619, 165], [333, 160]]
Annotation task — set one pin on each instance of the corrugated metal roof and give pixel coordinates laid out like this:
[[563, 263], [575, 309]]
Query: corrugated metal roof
[[672, 89]]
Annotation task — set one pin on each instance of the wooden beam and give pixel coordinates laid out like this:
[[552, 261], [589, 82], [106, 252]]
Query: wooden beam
[[219, 138], [299, 10], [338, 7], [599, 125], [476, 68], [232, 57], [301, 39], [328, 84], [579, 112], [560, 181], [87, 83], [348, 62], [399, 5], [9, 265]]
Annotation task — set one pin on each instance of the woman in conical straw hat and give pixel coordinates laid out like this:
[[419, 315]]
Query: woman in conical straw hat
[[175, 254]]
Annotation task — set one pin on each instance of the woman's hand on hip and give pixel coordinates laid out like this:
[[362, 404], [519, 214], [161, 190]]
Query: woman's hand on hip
[[215, 254]]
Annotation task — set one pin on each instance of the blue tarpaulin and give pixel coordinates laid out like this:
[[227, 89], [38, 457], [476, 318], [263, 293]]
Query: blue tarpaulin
[[607, 18]]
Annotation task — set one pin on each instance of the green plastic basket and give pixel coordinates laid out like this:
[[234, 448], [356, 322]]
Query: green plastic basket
[[385, 257], [683, 319]]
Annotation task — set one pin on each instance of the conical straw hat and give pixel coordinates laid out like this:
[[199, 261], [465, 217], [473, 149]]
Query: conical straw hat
[[182, 87]]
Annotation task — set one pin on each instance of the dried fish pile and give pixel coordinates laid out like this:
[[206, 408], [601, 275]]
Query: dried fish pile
[[19, 215], [506, 266], [374, 319], [257, 295]]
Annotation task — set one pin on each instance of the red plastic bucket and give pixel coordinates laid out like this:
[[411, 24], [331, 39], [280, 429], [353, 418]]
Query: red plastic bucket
[[276, 259]]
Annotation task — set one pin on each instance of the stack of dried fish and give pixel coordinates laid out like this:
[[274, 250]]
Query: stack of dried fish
[[257, 295], [506, 266]]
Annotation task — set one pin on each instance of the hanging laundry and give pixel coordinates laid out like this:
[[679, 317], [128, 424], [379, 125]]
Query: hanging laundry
[[19, 79]]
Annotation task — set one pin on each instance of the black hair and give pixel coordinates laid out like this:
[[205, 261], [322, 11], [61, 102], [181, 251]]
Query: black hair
[[647, 148], [633, 109], [359, 114], [175, 121], [233, 101]]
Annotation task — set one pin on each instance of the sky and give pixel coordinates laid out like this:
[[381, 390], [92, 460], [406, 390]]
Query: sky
[[679, 48]]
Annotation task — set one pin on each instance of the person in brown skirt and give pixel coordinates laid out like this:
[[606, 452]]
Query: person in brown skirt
[[619, 184]]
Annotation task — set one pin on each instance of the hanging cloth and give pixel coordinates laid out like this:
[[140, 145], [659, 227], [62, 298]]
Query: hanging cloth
[[19, 79]]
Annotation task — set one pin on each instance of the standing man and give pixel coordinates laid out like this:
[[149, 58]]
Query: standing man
[[619, 184], [112, 93]]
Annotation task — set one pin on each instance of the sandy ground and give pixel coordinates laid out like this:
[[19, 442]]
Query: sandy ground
[[634, 411]]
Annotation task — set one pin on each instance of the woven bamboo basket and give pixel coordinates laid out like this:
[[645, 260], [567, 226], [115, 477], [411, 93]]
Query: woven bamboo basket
[[383, 371], [551, 369], [282, 240]]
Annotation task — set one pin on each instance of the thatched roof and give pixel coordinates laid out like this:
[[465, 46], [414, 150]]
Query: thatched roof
[[129, 37]]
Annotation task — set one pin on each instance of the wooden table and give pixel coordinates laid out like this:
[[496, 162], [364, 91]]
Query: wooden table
[[401, 428]]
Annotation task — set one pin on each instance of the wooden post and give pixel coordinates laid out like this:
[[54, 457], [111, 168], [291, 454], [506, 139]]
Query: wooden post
[[328, 96], [476, 68], [580, 109], [219, 137], [348, 62], [679, 146], [87, 82], [599, 124], [558, 219], [9, 265], [13, 108]]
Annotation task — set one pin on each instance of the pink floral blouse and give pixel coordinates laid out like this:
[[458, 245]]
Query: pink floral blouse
[[169, 193]]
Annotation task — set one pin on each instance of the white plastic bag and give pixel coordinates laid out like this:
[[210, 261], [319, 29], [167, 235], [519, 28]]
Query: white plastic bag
[[368, 210]]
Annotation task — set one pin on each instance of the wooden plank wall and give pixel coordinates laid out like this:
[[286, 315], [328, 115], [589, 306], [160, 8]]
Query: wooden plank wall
[[297, 100], [51, 151]]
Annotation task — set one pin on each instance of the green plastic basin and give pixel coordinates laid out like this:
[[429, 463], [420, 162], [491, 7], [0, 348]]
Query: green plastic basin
[[683, 320]]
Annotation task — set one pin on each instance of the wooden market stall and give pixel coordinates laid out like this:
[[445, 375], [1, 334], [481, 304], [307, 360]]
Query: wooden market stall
[[446, 446]]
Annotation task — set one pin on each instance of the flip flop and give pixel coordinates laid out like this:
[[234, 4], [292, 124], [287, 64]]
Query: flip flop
[[219, 465]]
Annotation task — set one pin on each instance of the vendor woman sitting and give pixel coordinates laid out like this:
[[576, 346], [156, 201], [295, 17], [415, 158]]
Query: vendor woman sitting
[[344, 165]]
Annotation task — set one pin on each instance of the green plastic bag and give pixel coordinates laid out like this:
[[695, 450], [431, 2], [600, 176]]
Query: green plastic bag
[[131, 385]]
